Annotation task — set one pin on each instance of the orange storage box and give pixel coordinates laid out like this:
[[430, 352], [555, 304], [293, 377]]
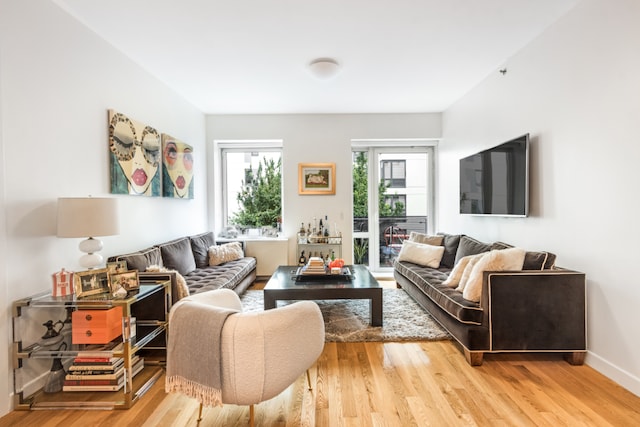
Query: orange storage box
[[96, 326]]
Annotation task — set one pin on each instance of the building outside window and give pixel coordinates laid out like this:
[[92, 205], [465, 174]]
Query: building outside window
[[393, 173]]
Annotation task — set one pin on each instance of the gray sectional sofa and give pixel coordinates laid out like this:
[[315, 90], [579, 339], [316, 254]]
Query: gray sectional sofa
[[189, 257], [541, 308]]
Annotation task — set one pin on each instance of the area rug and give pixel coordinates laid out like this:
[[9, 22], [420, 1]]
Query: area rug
[[348, 320]]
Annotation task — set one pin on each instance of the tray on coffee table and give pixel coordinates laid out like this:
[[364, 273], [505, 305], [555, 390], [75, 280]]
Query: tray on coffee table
[[302, 275]]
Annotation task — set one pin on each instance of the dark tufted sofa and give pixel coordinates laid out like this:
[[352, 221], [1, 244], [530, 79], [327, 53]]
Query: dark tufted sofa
[[189, 256], [541, 308]]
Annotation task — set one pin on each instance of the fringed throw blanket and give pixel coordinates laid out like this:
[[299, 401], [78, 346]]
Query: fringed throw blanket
[[193, 351]]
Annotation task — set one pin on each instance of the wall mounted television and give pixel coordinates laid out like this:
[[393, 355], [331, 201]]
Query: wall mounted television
[[495, 181]]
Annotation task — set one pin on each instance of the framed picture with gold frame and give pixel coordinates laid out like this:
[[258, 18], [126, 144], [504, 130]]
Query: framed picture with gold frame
[[127, 280], [316, 178], [117, 267], [91, 282]]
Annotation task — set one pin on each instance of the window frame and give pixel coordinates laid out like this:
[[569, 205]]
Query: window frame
[[241, 146], [393, 182]]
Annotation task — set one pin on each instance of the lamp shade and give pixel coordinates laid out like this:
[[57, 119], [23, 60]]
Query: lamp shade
[[87, 217]]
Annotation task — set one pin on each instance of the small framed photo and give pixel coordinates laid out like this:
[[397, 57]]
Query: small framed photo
[[117, 267], [127, 280], [316, 178], [91, 282]]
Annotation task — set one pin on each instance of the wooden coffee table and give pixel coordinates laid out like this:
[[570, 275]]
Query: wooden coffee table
[[284, 286]]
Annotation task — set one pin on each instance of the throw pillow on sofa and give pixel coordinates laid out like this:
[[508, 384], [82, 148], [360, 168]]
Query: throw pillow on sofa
[[177, 255], [426, 239], [200, 245], [219, 254], [456, 274], [467, 271], [470, 246], [495, 260], [450, 243], [183, 289], [421, 254]]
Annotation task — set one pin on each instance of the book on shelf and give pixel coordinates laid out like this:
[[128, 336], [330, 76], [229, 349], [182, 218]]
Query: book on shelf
[[116, 381], [96, 360], [98, 382], [110, 368], [115, 387], [95, 375]]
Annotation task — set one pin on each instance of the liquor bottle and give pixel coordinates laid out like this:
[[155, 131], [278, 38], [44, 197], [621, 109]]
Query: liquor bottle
[[327, 226], [302, 260]]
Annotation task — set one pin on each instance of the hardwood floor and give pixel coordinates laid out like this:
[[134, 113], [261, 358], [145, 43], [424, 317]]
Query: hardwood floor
[[395, 384]]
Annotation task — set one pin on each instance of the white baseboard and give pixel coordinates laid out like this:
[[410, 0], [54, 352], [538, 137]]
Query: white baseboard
[[620, 376]]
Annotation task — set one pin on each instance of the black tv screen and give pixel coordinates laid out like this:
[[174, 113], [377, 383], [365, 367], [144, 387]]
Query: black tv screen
[[496, 181]]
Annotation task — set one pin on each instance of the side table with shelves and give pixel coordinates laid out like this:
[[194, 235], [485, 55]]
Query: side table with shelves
[[319, 245], [150, 307]]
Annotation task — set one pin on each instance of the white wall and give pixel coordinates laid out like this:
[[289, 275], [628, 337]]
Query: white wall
[[576, 90], [57, 80], [309, 138]]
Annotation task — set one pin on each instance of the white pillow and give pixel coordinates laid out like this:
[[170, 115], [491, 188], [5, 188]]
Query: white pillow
[[496, 260], [456, 274], [421, 254], [467, 270], [219, 254]]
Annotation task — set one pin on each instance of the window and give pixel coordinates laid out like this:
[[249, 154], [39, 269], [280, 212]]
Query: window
[[391, 198], [251, 184], [397, 202], [393, 173]]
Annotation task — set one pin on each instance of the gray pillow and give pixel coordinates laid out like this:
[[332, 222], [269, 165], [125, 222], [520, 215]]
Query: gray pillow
[[141, 260], [177, 255], [450, 243], [470, 246], [200, 245]]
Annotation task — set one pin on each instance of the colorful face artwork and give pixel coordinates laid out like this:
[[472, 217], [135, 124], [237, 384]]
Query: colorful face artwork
[[135, 157], [177, 160]]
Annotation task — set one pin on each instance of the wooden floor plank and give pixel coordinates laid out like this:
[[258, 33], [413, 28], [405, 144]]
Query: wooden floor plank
[[394, 384]]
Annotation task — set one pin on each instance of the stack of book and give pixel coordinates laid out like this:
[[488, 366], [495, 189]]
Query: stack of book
[[94, 372], [314, 266]]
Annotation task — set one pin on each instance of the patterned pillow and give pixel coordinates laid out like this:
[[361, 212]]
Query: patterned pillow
[[219, 254]]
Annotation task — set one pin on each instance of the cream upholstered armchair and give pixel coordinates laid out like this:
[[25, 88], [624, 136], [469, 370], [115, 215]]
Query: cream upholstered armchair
[[217, 354]]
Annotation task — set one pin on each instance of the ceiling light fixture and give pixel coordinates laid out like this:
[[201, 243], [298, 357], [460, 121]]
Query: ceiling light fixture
[[324, 68]]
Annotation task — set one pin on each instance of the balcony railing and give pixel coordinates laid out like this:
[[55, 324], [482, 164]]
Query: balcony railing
[[392, 231]]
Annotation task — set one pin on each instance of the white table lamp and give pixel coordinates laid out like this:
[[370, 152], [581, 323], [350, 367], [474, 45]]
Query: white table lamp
[[88, 217]]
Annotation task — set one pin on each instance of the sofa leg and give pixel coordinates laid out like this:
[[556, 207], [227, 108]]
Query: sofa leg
[[575, 358], [474, 358]]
